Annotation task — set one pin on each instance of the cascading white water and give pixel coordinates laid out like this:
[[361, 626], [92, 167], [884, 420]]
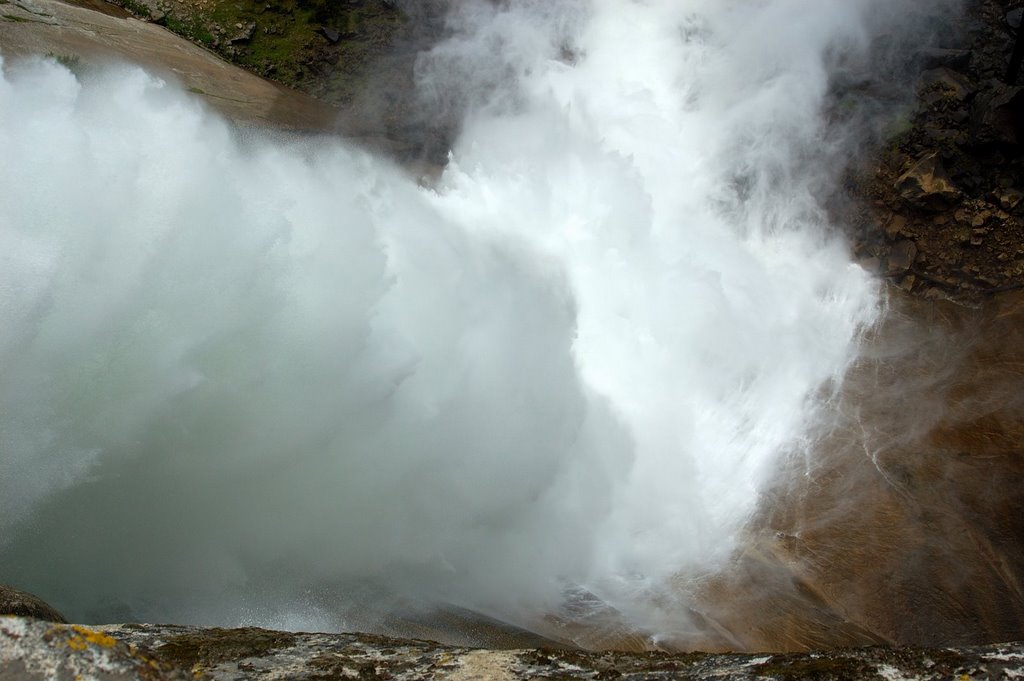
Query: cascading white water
[[238, 374]]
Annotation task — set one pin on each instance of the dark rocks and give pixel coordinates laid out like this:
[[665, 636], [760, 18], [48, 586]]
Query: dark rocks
[[246, 30], [1008, 198], [951, 180], [946, 82], [998, 114], [1014, 17], [926, 185], [938, 57], [22, 604], [897, 226]]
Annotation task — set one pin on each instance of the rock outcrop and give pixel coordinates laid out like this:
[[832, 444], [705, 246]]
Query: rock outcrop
[[950, 180], [23, 604], [32, 650], [926, 185]]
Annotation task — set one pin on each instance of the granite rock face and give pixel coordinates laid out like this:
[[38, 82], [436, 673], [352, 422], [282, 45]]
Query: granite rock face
[[39, 650]]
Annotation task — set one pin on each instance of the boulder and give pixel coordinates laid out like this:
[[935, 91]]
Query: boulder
[[23, 604], [331, 34], [1013, 17], [1008, 198], [245, 32], [926, 185], [901, 257]]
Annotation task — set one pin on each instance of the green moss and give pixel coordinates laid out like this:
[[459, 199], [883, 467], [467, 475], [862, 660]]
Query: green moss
[[214, 646], [16, 19], [191, 27], [287, 45], [135, 7]]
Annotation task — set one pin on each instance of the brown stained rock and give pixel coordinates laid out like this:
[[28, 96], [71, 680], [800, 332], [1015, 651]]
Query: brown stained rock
[[1009, 198], [901, 258], [23, 604], [897, 225], [870, 264], [926, 185]]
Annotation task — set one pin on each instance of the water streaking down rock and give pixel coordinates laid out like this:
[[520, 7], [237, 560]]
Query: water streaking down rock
[[39, 650]]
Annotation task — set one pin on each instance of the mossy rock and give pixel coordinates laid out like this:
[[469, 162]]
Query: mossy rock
[[214, 646]]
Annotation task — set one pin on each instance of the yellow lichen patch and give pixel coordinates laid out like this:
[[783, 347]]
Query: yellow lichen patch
[[86, 636]]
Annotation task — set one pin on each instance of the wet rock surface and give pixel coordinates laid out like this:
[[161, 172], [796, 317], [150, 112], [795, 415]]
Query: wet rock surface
[[38, 650]]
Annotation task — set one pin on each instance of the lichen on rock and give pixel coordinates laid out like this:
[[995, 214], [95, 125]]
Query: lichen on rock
[[31, 649]]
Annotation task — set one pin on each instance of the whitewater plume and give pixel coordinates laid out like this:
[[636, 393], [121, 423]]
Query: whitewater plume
[[247, 380]]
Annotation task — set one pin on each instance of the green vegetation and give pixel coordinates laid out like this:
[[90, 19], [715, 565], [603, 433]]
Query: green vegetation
[[136, 8], [72, 62], [191, 27], [287, 40], [16, 19]]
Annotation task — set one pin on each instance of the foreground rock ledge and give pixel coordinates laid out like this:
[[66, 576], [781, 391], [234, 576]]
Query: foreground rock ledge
[[32, 649]]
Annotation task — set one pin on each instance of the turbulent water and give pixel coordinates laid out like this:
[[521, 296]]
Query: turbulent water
[[255, 381]]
